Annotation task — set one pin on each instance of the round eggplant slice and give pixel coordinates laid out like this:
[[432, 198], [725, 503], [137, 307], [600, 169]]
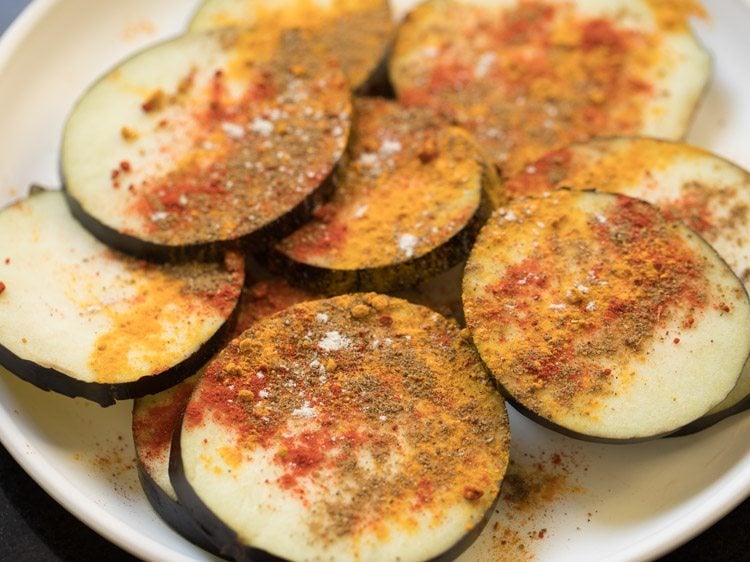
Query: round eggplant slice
[[706, 192], [82, 320], [361, 427], [408, 204], [530, 77], [157, 417], [603, 320], [358, 32], [205, 139]]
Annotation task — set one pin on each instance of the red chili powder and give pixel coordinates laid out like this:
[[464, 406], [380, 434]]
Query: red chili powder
[[155, 426], [322, 241], [600, 33], [303, 455], [544, 175]]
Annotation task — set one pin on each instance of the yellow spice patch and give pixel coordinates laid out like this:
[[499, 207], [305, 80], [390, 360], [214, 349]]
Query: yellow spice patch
[[673, 15], [297, 13], [581, 294], [400, 207], [231, 456], [623, 167], [356, 30], [410, 183], [141, 337]]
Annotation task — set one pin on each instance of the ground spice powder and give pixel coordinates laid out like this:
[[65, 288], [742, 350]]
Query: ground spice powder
[[409, 183], [251, 156], [356, 31], [408, 395], [141, 336], [686, 183], [534, 76], [591, 290]]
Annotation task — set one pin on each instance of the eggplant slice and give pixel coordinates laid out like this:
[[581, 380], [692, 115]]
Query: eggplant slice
[[157, 417], [706, 192], [603, 320], [530, 77], [203, 140], [358, 32], [360, 427], [83, 320], [408, 204]]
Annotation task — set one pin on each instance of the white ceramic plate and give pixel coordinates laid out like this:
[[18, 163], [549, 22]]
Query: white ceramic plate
[[600, 502]]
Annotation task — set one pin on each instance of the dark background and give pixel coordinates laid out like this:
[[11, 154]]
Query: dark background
[[34, 528]]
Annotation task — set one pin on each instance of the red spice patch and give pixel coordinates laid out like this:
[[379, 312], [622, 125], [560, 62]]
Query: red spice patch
[[321, 241], [303, 455], [632, 271], [424, 493], [529, 22], [153, 427], [693, 208], [542, 176], [526, 278], [633, 214], [600, 33], [232, 413], [450, 74]]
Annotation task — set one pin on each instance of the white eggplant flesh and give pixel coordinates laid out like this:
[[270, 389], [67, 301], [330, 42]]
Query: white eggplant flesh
[[603, 320], [708, 193], [205, 140], [83, 320], [341, 430]]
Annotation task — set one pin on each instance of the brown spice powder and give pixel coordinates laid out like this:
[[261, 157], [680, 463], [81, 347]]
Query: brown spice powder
[[392, 397]]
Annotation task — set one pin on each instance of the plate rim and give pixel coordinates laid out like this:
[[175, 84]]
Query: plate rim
[[724, 494]]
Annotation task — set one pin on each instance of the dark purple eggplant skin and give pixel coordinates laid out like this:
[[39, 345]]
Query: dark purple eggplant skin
[[251, 242], [225, 540], [227, 543], [709, 420], [386, 278], [378, 84], [105, 394], [544, 422], [173, 513]]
